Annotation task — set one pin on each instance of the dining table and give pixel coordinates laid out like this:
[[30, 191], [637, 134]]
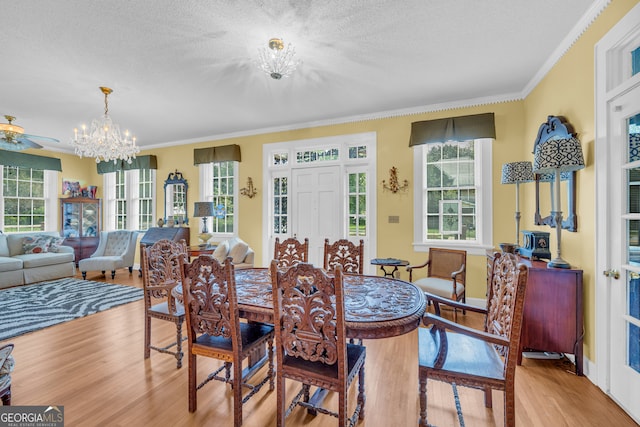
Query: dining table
[[375, 306]]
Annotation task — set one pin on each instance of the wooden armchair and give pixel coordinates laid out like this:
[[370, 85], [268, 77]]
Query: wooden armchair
[[214, 330], [311, 345], [290, 251], [160, 274], [6, 367], [344, 253], [479, 359], [446, 275]]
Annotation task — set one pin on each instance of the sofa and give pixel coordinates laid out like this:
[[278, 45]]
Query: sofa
[[239, 251], [34, 257]]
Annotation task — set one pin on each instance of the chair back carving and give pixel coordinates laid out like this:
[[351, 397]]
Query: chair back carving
[[309, 313], [505, 303], [161, 270], [210, 299], [344, 253], [443, 262], [290, 252]]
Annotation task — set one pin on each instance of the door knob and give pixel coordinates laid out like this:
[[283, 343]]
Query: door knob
[[612, 273]]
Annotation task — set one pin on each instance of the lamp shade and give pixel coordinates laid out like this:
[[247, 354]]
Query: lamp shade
[[203, 209], [516, 172], [563, 154]]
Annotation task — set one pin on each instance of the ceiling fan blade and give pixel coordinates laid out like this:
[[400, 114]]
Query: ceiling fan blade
[[17, 143], [44, 139]]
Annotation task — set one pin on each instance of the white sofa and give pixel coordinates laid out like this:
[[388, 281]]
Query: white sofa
[[240, 252], [46, 259]]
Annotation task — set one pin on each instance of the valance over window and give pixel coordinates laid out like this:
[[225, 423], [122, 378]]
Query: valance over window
[[140, 162], [23, 160], [223, 153], [461, 128]]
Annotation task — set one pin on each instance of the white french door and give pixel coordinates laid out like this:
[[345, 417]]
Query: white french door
[[623, 274], [316, 204]]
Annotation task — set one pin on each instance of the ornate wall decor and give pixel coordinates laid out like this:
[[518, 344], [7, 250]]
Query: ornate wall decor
[[249, 190], [394, 185]]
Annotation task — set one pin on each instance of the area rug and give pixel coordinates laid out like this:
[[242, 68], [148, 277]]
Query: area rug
[[28, 308]]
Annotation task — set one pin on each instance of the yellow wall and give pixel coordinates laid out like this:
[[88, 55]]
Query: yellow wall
[[567, 90]]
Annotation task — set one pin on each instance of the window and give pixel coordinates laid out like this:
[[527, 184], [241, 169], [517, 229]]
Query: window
[[453, 195], [220, 187], [357, 202], [28, 199], [129, 197]]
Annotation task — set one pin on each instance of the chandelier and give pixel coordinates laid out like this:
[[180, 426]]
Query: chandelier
[[104, 141], [277, 61]]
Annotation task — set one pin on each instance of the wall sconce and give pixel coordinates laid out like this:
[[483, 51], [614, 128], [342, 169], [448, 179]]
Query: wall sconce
[[394, 186], [249, 190]]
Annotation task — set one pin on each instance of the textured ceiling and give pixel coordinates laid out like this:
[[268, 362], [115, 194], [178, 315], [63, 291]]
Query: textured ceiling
[[184, 70]]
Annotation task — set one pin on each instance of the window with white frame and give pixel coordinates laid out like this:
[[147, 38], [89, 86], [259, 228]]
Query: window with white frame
[[129, 197], [28, 199], [453, 195], [219, 185]]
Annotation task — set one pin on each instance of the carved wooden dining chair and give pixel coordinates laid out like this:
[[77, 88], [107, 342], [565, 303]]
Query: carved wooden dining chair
[[311, 345], [290, 251], [446, 275], [160, 274], [214, 330], [479, 359], [344, 253]]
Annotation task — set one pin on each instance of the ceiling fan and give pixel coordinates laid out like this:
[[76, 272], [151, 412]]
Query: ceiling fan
[[12, 137]]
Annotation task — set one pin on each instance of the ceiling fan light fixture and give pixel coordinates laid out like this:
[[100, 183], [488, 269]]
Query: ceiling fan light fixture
[[104, 141], [277, 60], [12, 137]]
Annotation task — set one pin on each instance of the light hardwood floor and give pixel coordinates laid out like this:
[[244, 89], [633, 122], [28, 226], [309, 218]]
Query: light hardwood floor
[[94, 366]]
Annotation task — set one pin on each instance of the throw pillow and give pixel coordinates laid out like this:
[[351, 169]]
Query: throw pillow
[[36, 244], [55, 243], [239, 252], [221, 251]]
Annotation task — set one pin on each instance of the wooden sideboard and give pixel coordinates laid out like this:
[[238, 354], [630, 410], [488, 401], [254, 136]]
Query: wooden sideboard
[[553, 313]]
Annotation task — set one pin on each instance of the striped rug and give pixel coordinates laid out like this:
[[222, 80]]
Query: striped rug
[[28, 308]]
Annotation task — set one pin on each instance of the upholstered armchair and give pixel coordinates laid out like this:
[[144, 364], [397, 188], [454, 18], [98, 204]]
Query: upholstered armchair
[[116, 250], [6, 367]]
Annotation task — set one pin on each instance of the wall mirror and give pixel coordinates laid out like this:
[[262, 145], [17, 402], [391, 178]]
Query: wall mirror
[[175, 199], [556, 127], [570, 223]]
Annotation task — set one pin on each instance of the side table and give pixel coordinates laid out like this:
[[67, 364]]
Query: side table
[[389, 262], [196, 251]]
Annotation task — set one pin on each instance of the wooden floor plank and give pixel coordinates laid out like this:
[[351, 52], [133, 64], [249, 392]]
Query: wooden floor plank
[[94, 366]]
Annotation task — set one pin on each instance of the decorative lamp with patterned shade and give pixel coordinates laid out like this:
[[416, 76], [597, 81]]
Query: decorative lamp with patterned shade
[[557, 150], [204, 210], [515, 173]]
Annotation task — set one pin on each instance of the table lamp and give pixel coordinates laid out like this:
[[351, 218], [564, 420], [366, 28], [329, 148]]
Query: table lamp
[[515, 173], [204, 210], [556, 155]]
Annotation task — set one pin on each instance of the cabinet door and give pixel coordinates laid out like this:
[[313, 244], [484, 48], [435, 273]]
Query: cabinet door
[[90, 212], [71, 220]]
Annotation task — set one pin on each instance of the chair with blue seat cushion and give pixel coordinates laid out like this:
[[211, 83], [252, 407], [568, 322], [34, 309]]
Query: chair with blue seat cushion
[[214, 330], [116, 250], [484, 360]]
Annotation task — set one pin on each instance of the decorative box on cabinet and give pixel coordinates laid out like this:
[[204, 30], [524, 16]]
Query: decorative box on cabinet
[[553, 317], [81, 224], [154, 234]]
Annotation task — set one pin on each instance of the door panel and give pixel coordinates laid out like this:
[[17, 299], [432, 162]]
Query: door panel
[[316, 196], [624, 272]]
